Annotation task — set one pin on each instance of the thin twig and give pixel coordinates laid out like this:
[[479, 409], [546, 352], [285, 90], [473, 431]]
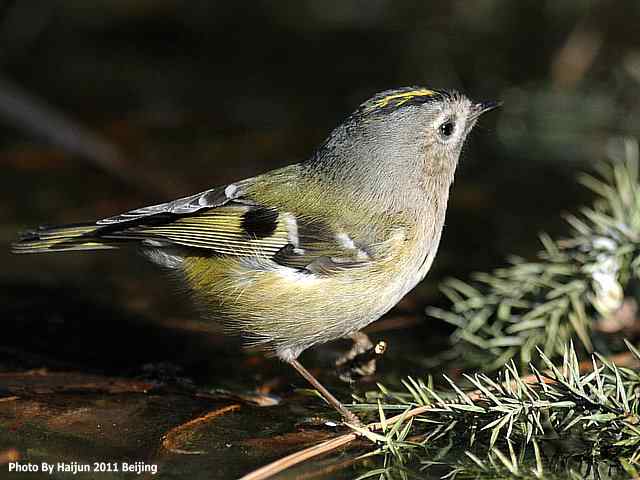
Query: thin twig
[[324, 447], [299, 457], [172, 440]]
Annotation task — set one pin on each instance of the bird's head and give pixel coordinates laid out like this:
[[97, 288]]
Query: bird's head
[[401, 136]]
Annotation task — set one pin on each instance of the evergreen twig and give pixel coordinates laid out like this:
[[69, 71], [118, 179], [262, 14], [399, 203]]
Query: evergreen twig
[[546, 303], [555, 423]]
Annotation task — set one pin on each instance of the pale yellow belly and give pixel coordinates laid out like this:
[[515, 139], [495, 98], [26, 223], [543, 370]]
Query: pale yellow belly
[[288, 311]]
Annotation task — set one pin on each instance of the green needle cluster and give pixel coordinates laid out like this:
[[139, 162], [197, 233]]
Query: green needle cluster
[[558, 296]]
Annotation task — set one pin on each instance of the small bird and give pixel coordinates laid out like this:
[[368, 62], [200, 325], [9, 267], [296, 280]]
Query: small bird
[[314, 251]]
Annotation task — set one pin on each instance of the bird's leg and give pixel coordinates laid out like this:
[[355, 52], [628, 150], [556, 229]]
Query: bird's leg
[[350, 417], [360, 360]]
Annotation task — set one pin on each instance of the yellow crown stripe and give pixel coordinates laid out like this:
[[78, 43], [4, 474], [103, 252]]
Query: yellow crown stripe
[[403, 97]]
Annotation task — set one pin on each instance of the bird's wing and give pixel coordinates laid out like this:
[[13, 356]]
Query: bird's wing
[[230, 221], [214, 197], [266, 217]]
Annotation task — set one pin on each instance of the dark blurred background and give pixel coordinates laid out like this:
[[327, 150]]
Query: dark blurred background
[[110, 105]]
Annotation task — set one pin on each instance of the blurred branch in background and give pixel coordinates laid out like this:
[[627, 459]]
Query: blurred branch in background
[[22, 110], [573, 60]]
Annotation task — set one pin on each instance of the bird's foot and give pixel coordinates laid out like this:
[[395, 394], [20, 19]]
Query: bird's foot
[[360, 360]]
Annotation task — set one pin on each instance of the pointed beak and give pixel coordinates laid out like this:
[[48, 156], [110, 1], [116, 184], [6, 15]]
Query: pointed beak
[[484, 107]]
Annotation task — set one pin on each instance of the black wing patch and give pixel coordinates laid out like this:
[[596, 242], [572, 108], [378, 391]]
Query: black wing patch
[[220, 230], [260, 222]]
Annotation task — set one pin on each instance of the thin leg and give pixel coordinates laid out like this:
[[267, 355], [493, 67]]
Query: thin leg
[[326, 394]]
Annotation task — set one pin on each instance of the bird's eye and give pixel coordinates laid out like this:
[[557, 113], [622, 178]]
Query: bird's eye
[[446, 129]]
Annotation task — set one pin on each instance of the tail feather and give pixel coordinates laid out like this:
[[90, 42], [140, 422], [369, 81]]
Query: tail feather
[[60, 239]]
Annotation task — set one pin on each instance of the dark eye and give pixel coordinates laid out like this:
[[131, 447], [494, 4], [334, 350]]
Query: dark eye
[[447, 129]]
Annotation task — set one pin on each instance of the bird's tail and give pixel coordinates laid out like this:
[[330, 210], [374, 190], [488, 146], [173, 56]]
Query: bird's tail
[[61, 239]]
